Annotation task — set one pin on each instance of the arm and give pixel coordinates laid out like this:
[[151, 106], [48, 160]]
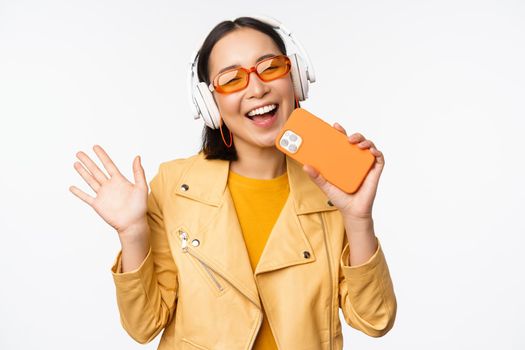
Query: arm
[[366, 293], [144, 272], [146, 295]]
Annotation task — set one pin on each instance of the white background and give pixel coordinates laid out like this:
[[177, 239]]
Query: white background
[[439, 86]]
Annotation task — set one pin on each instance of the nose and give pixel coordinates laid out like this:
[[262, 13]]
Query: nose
[[256, 87]]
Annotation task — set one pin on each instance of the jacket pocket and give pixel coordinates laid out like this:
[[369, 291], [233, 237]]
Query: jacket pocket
[[215, 283], [189, 345]]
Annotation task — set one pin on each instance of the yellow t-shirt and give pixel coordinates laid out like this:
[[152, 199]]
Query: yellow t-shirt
[[258, 204]]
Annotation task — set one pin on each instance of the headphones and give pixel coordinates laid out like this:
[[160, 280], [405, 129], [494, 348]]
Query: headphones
[[202, 103]]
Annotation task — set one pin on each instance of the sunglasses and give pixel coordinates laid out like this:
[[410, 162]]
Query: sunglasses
[[236, 79]]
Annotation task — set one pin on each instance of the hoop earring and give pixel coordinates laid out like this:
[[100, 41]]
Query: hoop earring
[[223, 140]]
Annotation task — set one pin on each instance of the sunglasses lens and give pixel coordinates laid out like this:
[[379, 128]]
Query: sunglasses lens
[[231, 81], [237, 79], [273, 68]]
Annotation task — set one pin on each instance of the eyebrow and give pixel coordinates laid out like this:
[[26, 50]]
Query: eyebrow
[[268, 55]]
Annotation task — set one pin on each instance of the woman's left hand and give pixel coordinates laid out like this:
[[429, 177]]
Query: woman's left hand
[[359, 204]]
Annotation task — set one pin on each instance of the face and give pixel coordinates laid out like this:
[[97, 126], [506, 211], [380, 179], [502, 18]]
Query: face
[[243, 47]]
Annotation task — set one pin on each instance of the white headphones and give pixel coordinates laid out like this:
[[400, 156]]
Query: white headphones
[[202, 103]]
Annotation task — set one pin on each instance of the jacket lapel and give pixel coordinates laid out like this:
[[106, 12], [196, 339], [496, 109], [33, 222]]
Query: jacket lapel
[[222, 244], [287, 244]]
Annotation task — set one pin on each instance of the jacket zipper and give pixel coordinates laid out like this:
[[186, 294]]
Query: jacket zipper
[[331, 278], [184, 245]]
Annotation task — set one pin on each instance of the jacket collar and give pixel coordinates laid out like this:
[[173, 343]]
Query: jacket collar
[[208, 179]]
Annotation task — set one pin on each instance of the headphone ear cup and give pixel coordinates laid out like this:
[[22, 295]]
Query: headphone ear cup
[[206, 105], [299, 78]]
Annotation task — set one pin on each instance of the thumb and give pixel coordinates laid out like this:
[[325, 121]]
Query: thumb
[[138, 173], [310, 170], [315, 175]]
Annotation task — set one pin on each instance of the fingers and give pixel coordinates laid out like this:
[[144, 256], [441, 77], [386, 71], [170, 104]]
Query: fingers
[[378, 154], [138, 173], [87, 176], [82, 195], [92, 167], [356, 137], [360, 140], [106, 161], [340, 128], [363, 143]]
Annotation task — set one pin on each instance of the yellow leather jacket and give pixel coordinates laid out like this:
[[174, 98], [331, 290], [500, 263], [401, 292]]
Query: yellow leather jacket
[[197, 284]]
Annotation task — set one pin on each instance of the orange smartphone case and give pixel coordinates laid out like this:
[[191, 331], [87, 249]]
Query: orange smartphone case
[[310, 140]]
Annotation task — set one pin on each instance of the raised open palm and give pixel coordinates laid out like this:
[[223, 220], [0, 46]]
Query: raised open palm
[[118, 201]]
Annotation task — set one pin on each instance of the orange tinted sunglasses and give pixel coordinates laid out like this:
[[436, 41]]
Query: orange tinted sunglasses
[[236, 79]]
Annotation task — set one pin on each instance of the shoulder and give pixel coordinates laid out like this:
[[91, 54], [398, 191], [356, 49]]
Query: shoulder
[[178, 165], [169, 172]]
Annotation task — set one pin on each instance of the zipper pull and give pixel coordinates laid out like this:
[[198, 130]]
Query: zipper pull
[[184, 237]]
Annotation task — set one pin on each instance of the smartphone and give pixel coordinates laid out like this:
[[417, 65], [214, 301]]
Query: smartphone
[[310, 140]]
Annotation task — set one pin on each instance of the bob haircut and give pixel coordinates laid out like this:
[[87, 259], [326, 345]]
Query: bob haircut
[[213, 146]]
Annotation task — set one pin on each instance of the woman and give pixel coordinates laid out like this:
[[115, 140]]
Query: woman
[[239, 246]]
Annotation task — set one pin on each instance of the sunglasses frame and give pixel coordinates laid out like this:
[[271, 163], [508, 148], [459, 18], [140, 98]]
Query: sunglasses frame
[[248, 71]]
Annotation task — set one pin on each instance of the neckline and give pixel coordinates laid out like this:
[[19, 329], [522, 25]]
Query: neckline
[[278, 182]]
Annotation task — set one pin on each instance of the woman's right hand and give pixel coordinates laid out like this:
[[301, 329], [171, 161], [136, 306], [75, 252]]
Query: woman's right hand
[[122, 204]]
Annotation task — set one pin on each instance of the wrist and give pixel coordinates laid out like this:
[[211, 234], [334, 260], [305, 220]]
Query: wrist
[[347, 214], [136, 233], [361, 238], [359, 226], [356, 220]]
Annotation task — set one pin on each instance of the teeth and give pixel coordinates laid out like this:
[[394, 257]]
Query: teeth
[[262, 110]]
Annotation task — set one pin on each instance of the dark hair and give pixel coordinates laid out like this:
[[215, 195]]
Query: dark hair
[[213, 146]]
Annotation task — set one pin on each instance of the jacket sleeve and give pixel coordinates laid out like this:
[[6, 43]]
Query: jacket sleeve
[[366, 293], [146, 296]]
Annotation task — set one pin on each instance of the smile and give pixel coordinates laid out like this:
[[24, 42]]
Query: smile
[[263, 116], [262, 110]]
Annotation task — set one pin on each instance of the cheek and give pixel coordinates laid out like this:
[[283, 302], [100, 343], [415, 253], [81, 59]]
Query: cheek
[[227, 104], [285, 88]]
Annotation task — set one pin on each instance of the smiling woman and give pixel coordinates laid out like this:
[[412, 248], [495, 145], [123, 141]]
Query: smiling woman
[[240, 246], [214, 50]]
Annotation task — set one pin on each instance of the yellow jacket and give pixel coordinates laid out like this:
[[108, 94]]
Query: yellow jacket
[[197, 284]]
